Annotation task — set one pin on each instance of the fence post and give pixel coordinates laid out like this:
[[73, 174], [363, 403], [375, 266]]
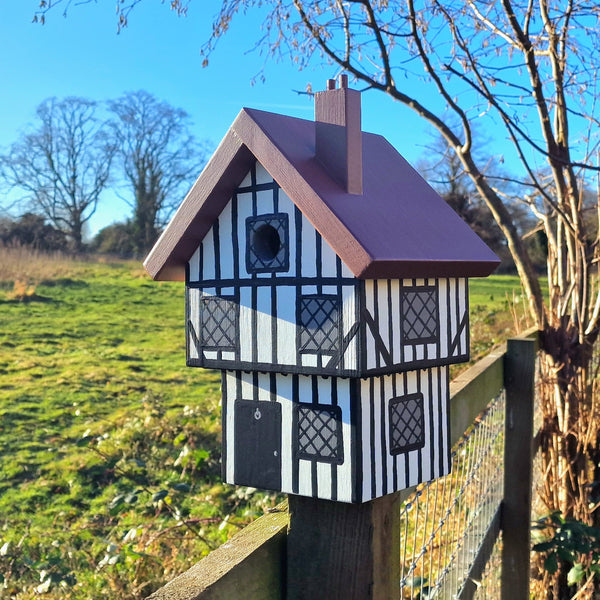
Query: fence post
[[519, 381], [344, 551]]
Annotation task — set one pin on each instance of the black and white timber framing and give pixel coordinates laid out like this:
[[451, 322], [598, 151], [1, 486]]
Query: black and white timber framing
[[333, 387], [335, 438], [266, 292]]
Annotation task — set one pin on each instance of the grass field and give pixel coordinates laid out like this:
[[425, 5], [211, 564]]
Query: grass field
[[109, 477]]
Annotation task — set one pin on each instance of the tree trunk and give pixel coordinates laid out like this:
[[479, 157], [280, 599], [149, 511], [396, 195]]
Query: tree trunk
[[145, 221], [76, 235], [569, 443]]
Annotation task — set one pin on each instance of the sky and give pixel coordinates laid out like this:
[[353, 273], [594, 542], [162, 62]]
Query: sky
[[83, 55]]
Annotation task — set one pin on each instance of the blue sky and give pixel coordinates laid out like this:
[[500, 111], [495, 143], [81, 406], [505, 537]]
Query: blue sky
[[83, 55]]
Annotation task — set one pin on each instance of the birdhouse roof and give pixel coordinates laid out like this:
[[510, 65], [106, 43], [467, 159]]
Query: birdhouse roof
[[398, 227]]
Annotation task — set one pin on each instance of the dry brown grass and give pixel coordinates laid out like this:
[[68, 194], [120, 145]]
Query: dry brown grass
[[22, 291], [30, 267]]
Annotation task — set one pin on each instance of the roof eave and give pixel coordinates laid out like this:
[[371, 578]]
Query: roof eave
[[409, 269], [246, 142], [204, 202]]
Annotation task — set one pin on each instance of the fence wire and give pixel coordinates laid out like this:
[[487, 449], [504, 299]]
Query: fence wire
[[449, 527]]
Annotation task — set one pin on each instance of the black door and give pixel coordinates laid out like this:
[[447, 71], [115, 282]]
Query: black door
[[258, 444]]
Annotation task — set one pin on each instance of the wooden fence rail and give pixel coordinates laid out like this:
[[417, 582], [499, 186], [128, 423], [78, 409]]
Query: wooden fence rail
[[318, 549]]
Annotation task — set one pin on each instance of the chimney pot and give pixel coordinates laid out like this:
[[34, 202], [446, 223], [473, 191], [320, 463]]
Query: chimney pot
[[338, 135]]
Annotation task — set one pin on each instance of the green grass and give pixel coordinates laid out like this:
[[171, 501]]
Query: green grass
[[109, 444], [498, 310], [104, 434]]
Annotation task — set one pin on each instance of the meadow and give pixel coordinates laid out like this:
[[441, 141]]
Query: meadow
[[109, 445]]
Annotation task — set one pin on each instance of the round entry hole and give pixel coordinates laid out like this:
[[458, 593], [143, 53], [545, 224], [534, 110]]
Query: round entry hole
[[266, 242]]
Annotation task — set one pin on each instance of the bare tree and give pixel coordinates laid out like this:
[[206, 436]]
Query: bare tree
[[532, 67], [62, 165], [442, 169], [158, 157], [123, 8]]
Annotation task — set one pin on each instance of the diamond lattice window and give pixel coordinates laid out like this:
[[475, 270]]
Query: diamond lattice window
[[219, 320], [267, 244], [320, 433], [407, 423], [419, 315], [320, 324]]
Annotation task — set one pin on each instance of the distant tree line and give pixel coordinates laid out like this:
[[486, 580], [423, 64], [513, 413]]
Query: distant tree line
[[58, 171], [141, 148], [32, 230]]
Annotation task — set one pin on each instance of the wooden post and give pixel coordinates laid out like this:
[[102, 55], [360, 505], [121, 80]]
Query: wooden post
[[519, 375], [344, 551]]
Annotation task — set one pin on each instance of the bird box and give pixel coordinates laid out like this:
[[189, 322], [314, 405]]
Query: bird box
[[329, 284]]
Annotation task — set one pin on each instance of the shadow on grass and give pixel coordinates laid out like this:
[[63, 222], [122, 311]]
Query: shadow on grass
[[28, 299], [65, 282]]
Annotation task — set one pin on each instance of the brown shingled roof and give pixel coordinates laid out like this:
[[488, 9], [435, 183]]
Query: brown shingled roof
[[398, 227]]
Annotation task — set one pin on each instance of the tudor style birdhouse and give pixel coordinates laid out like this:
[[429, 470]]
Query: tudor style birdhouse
[[328, 282]]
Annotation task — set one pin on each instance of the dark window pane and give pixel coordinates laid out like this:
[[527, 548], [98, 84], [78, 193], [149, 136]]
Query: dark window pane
[[219, 321], [320, 433], [407, 423], [267, 244], [419, 315], [320, 324]]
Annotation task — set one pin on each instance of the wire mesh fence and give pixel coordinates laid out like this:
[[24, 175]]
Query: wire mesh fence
[[450, 526]]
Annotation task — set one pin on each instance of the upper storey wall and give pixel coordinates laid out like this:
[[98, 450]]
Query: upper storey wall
[[266, 292], [268, 282]]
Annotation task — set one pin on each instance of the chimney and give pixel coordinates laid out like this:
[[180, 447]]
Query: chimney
[[338, 134]]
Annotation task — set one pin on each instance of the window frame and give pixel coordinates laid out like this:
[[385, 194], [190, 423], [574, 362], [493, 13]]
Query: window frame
[[420, 443], [232, 303], [254, 263], [315, 348], [429, 290], [335, 412]]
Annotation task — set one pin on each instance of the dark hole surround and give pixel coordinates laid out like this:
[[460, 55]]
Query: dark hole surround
[[266, 242]]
